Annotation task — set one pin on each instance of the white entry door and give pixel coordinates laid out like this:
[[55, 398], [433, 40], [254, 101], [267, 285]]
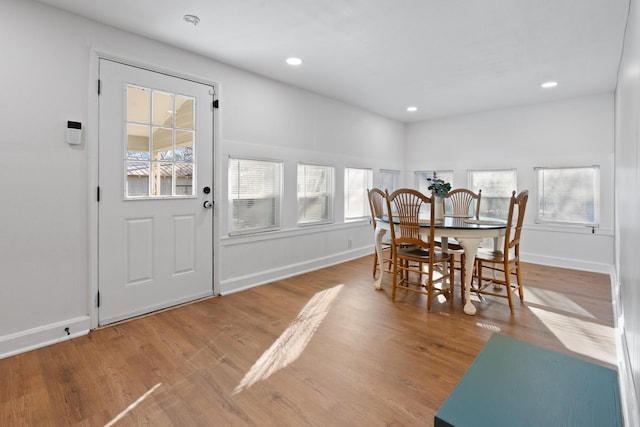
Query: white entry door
[[155, 222]]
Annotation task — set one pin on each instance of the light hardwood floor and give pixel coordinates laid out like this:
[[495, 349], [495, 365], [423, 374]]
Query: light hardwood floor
[[370, 362]]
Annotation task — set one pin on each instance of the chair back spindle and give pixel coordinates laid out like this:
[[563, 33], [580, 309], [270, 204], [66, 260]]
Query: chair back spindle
[[461, 201]]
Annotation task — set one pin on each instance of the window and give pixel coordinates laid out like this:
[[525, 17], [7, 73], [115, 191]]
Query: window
[[315, 194], [356, 201], [496, 186], [569, 195], [254, 195], [159, 159], [389, 180], [423, 179]]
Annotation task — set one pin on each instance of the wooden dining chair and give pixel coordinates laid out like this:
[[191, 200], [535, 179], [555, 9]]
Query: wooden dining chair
[[460, 203], [506, 262], [414, 253], [377, 206]]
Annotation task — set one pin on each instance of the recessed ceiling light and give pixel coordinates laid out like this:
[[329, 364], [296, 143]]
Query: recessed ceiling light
[[412, 109], [548, 85], [191, 19], [294, 61]]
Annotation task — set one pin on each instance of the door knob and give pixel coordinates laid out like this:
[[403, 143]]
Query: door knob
[[208, 204]]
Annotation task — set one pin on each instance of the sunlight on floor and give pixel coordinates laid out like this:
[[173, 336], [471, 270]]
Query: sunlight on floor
[[489, 327], [555, 300], [474, 297], [133, 405], [580, 336], [441, 299], [290, 345]]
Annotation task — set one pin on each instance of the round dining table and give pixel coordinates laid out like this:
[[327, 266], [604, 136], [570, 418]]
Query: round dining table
[[469, 232]]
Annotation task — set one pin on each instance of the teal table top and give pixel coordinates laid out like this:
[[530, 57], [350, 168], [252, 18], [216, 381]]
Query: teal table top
[[513, 383]]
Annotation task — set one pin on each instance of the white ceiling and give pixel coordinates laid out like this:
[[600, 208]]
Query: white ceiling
[[447, 57]]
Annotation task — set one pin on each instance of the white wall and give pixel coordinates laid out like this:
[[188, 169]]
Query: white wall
[[577, 132], [627, 300], [48, 215], [294, 126]]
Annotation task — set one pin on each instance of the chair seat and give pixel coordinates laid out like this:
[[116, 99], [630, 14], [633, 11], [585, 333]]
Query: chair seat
[[454, 247], [452, 244], [486, 255], [418, 254], [413, 252]]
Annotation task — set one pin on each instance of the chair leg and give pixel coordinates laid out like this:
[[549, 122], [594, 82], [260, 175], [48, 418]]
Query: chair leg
[[429, 286], [519, 279], [394, 280], [462, 278], [507, 279], [478, 275], [375, 263], [452, 278], [405, 271]]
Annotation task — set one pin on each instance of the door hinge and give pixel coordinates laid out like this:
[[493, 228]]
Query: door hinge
[[99, 86], [216, 104], [98, 300], [98, 193]]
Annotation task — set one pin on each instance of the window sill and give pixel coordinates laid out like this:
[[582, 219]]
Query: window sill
[[238, 239], [571, 229]]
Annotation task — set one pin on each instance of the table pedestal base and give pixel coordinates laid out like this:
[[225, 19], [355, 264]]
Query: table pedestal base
[[470, 246]]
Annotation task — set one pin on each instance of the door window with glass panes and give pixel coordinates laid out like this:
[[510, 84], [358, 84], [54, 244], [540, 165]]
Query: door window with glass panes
[[159, 157]]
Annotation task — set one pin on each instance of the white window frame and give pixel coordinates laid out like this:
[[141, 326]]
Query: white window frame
[[389, 179], [545, 212], [243, 224], [502, 197], [356, 199], [323, 190]]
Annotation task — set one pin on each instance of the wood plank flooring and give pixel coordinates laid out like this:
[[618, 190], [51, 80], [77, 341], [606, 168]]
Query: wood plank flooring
[[370, 362]]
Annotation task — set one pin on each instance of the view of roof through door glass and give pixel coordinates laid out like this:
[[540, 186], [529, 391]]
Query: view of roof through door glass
[[159, 158]]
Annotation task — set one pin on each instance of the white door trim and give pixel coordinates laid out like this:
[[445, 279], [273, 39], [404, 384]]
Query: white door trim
[[92, 138]]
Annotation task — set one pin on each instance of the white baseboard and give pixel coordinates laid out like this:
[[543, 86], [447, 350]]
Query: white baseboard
[[572, 264], [242, 283], [628, 395], [43, 336], [53, 333]]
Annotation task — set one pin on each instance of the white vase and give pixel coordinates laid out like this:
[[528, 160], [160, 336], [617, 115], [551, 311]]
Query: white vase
[[438, 208]]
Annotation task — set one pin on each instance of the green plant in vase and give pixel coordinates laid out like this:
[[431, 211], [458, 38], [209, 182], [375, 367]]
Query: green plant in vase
[[440, 189], [439, 186]]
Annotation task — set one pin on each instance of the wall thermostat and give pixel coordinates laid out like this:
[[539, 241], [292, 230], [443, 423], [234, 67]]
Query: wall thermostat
[[74, 133]]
